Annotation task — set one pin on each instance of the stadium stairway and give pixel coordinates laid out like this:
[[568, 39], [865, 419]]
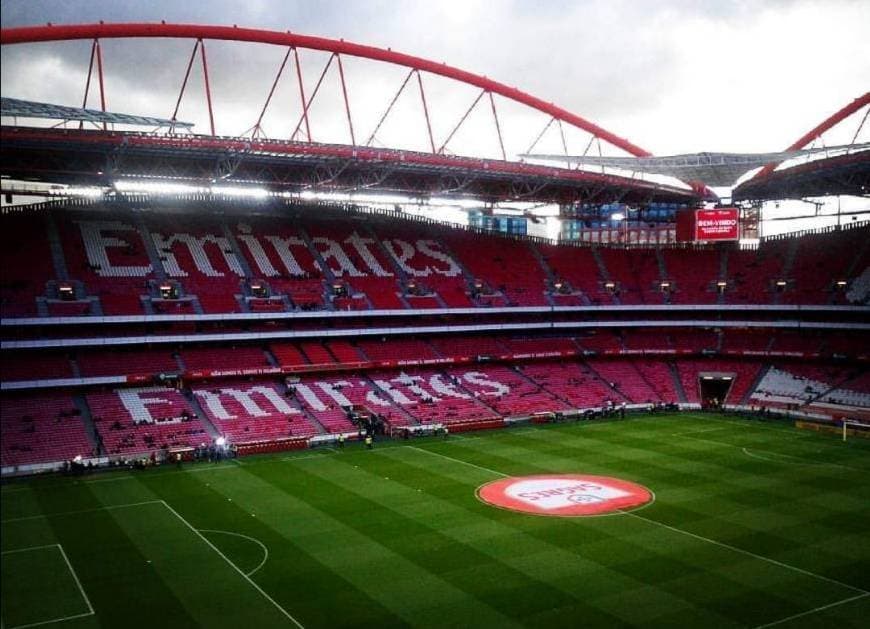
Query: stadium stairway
[[599, 261], [540, 387], [466, 274], [88, 420], [395, 267], [412, 421], [644, 377], [790, 255], [315, 253], [201, 415], [234, 245], [660, 260], [270, 357], [723, 274], [56, 248], [479, 401], [833, 387], [76, 369], [678, 383], [602, 270], [42, 307], [751, 388], [321, 429], [855, 271], [862, 253], [150, 248], [601, 378], [551, 279]]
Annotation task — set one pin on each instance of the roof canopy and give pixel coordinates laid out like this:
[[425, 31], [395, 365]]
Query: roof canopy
[[714, 169], [31, 109]]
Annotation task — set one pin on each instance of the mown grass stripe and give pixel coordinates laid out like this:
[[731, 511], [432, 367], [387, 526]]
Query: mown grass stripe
[[696, 536]]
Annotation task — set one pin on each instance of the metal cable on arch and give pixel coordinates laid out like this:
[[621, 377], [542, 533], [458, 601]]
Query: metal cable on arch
[[336, 49], [847, 173], [199, 33]]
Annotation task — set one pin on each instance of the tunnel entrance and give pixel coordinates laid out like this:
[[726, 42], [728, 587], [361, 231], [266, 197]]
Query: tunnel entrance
[[714, 388]]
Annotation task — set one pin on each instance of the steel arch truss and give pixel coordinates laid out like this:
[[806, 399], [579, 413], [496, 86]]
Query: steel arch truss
[[847, 174], [91, 156]]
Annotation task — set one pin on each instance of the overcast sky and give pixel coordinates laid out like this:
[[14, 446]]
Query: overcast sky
[[671, 76]]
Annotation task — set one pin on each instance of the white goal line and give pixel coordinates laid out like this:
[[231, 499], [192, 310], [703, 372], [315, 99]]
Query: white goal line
[[75, 577]]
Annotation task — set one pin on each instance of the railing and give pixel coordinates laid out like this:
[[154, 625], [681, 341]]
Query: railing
[[829, 229]]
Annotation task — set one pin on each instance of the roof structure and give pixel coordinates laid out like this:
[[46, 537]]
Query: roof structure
[[14, 107], [847, 174], [714, 169], [298, 161], [96, 157]]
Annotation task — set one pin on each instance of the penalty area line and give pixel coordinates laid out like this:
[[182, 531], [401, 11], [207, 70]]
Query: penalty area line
[[736, 549], [66, 513], [234, 566], [813, 611], [796, 460], [75, 577], [748, 553], [450, 458]]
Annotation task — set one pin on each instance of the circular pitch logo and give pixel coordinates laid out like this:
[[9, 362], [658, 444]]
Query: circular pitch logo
[[565, 494]]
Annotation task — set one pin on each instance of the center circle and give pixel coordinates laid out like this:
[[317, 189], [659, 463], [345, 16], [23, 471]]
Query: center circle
[[565, 494]]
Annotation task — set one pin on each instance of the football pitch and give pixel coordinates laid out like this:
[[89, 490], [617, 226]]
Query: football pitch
[[751, 525]]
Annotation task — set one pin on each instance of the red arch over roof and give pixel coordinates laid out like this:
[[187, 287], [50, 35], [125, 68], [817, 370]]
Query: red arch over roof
[[831, 121], [48, 33]]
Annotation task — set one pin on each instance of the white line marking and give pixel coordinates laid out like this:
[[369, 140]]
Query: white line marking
[[721, 443], [520, 431], [676, 530], [256, 541], [463, 438], [746, 552], [698, 432], [797, 460], [75, 577], [308, 456], [24, 550], [53, 620], [477, 495], [234, 566], [106, 480], [13, 490], [450, 458], [688, 435], [212, 468], [785, 431], [65, 513], [812, 611]]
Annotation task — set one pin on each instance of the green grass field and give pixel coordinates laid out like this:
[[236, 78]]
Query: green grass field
[[754, 524]]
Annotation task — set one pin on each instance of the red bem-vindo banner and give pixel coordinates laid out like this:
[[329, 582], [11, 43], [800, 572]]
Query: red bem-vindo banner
[[720, 224]]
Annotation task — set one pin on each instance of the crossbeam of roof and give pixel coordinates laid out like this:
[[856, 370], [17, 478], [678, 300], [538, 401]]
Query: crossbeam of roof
[[714, 169], [15, 107]]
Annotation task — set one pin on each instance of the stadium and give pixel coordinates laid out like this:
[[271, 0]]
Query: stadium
[[384, 342]]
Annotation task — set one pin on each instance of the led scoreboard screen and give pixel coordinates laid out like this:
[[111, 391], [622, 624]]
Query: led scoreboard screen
[[708, 225]]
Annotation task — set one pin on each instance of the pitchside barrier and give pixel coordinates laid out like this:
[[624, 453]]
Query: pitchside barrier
[[811, 421], [778, 413], [266, 447]]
